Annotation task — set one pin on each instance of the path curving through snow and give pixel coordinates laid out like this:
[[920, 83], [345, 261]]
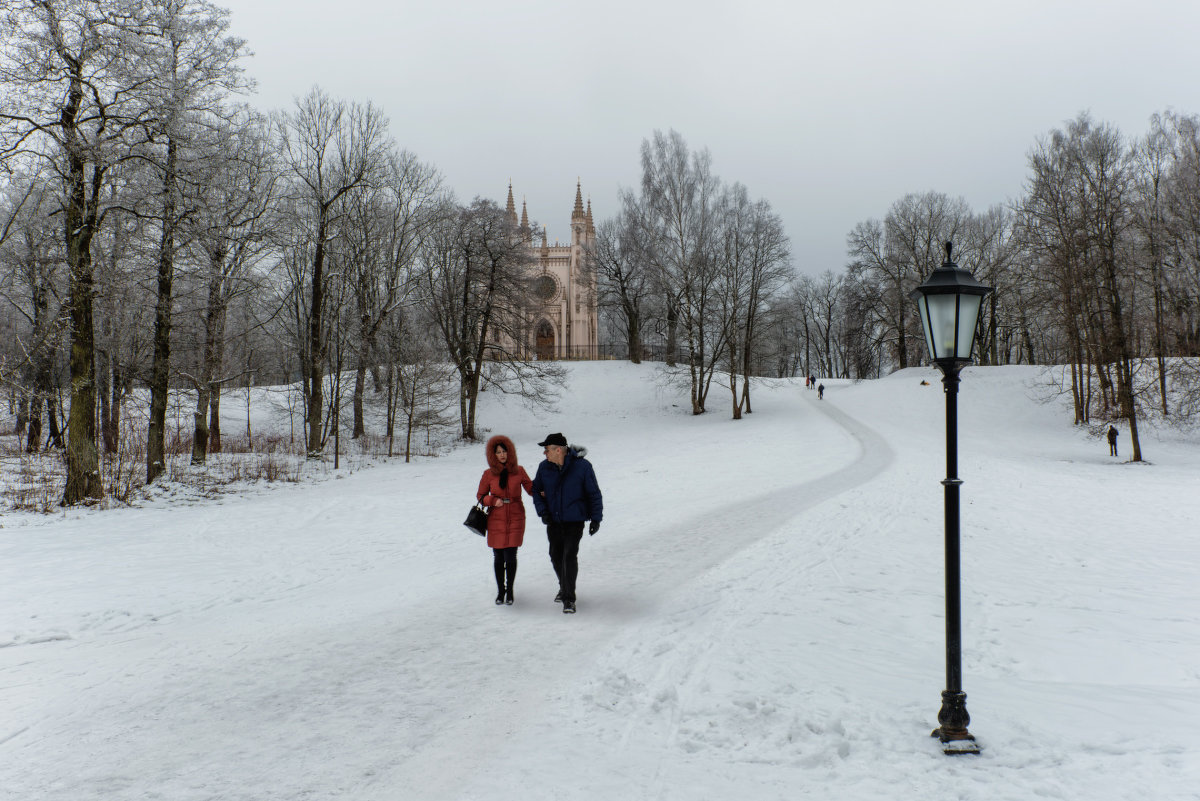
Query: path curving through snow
[[313, 652]]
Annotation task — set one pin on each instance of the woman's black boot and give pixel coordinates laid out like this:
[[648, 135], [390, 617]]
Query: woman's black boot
[[499, 566]]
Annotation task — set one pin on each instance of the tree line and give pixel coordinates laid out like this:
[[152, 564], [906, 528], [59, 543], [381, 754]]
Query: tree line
[[693, 271], [156, 232], [1096, 266]]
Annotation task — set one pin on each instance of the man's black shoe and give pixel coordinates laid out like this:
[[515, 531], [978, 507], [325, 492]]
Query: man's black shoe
[[568, 607]]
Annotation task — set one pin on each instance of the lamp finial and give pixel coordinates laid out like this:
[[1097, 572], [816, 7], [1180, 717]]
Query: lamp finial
[[949, 248]]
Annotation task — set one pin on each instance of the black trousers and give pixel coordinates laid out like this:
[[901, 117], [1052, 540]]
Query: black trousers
[[564, 554], [504, 561]]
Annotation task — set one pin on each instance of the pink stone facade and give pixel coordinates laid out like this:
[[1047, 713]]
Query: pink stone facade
[[564, 319]]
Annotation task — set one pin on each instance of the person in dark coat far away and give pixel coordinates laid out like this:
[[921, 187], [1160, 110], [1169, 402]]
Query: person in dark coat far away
[[820, 391], [565, 494], [1112, 440], [500, 489]]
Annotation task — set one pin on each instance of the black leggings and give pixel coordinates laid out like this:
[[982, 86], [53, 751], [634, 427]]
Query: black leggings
[[505, 557], [504, 561]]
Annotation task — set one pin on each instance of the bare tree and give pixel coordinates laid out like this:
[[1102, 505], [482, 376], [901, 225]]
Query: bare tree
[[65, 68], [477, 290], [228, 235], [30, 283], [124, 306], [329, 148], [385, 228], [623, 275], [189, 65], [420, 384], [680, 199], [768, 262], [1152, 161], [822, 300], [897, 254], [1080, 210]]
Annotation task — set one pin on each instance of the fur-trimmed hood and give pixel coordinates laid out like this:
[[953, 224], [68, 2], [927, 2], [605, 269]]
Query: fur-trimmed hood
[[500, 439], [574, 452]]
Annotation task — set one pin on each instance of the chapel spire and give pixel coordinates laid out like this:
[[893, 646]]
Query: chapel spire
[[511, 208], [577, 212]]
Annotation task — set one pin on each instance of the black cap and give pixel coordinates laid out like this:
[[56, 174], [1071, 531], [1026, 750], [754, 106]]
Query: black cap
[[554, 439]]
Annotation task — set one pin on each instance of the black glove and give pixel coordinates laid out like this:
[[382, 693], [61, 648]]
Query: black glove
[[594, 527], [545, 520]]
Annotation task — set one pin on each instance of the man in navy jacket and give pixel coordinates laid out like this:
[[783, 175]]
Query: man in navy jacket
[[565, 494]]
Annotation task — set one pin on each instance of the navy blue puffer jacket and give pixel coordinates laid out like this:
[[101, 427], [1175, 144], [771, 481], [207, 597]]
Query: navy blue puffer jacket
[[570, 493]]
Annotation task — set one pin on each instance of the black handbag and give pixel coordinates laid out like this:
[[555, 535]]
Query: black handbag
[[477, 520]]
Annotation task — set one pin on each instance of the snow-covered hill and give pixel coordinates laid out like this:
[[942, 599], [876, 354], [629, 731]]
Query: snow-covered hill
[[760, 616]]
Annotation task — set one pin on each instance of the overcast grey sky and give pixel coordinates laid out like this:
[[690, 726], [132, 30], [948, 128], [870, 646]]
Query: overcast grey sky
[[831, 111]]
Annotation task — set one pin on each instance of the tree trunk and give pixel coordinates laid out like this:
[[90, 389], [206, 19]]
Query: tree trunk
[[83, 461], [206, 373], [634, 337], [697, 401], [408, 437], [672, 334], [1160, 339], [316, 353], [55, 438], [1121, 347], [360, 388], [746, 365], [214, 395], [112, 422], [472, 402], [200, 425], [22, 409], [160, 374], [33, 423], [104, 385], [390, 402], [901, 334]]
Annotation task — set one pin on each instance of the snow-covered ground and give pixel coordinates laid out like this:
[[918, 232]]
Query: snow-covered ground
[[760, 616]]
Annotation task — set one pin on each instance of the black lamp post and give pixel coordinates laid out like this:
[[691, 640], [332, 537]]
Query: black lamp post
[[949, 302]]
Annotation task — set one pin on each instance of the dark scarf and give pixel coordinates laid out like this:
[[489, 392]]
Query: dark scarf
[[504, 480]]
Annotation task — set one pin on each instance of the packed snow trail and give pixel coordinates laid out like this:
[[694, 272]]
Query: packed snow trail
[[758, 617], [368, 659], [619, 590]]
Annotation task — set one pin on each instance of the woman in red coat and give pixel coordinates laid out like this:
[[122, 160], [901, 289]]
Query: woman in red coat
[[500, 489]]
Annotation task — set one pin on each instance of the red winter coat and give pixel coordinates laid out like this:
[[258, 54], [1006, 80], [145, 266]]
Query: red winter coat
[[506, 521]]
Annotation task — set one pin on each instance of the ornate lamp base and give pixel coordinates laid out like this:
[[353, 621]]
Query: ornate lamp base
[[953, 731]]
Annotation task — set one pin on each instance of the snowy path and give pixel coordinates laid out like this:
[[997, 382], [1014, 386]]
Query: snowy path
[[363, 662], [679, 556], [760, 617]]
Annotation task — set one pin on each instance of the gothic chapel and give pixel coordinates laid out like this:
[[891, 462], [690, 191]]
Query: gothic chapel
[[565, 318]]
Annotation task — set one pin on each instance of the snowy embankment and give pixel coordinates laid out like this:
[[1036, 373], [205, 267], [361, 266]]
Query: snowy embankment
[[760, 617]]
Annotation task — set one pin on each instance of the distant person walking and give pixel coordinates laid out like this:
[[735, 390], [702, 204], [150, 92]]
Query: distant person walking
[[1112, 440], [565, 494], [812, 381], [500, 489], [820, 391]]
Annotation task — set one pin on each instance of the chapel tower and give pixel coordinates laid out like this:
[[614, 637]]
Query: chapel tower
[[565, 319]]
